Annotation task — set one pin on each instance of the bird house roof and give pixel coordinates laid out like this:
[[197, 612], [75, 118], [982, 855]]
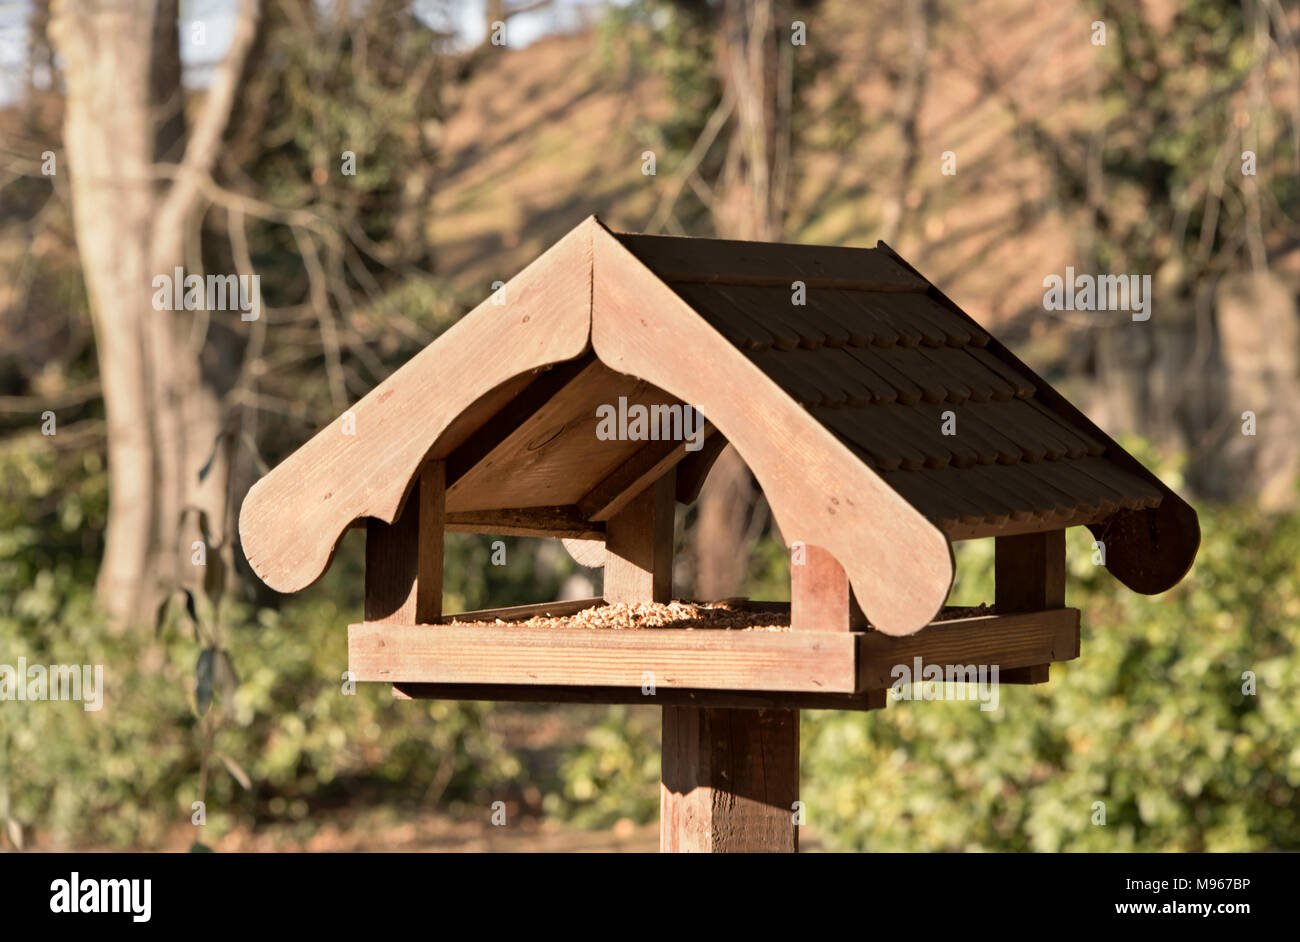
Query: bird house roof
[[881, 421]]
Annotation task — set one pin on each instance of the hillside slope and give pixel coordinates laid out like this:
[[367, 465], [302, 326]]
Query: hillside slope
[[555, 131]]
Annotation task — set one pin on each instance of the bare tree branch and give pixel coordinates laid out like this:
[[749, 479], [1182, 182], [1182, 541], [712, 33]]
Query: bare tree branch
[[205, 142]]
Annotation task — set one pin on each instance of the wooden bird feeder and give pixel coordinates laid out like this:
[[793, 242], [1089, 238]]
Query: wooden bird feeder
[[881, 422]]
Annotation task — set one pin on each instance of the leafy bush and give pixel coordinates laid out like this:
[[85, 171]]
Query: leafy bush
[[127, 775], [1151, 721], [613, 773]]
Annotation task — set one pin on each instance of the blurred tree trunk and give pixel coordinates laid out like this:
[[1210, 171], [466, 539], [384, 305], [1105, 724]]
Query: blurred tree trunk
[[124, 134], [755, 60], [1256, 370], [910, 97], [1160, 186]]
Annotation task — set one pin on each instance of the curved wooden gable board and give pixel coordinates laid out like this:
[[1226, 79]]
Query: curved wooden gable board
[[900, 564], [1149, 551], [292, 519]]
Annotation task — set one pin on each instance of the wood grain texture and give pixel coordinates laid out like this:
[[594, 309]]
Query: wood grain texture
[[554, 456], [429, 552], [820, 596], [639, 546], [817, 662], [633, 476], [1029, 576], [730, 781], [588, 553], [900, 566], [1029, 572], [404, 559], [519, 409], [767, 663], [526, 521], [663, 696], [293, 517], [1009, 641], [392, 566]]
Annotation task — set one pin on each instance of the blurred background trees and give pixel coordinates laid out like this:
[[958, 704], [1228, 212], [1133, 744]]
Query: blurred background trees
[[136, 169], [231, 154]]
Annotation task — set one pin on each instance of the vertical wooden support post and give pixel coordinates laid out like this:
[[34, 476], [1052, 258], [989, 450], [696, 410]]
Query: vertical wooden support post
[[820, 596], [1029, 576], [404, 558], [639, 546]]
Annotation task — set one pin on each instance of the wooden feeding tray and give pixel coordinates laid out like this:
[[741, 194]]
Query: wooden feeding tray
[[730, 653], [880, 420]]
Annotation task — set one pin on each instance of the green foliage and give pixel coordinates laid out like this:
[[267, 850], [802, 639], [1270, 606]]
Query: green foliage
[[612, 774], [1151, 721], [769, 571], [126, 775], [1172, 136]]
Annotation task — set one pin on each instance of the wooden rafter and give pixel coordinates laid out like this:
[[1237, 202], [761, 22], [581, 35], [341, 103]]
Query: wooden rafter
[[633, 476], [559, 521]]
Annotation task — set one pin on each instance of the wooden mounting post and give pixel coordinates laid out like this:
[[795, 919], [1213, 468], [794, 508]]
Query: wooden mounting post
[[730, 780], [1029, 576], [404, 558]]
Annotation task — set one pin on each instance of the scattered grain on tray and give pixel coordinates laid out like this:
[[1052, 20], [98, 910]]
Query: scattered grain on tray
[[729, 614], [689, 615]]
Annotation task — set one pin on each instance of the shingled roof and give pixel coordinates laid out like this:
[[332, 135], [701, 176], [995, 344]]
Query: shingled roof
[[837, 405], [877, 359]]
